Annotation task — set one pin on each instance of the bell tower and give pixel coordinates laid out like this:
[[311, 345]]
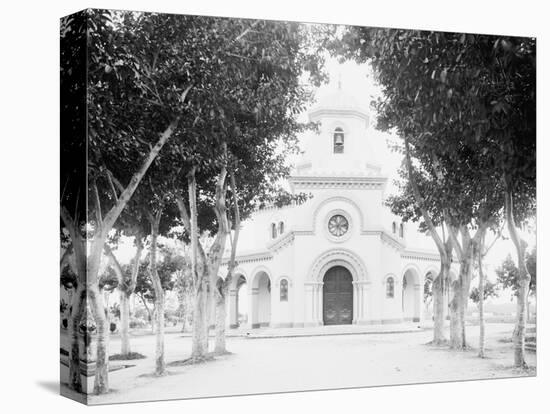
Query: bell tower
[[342, 146]]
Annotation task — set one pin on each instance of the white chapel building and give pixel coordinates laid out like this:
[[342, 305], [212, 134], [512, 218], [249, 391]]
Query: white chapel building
[[341, 257]]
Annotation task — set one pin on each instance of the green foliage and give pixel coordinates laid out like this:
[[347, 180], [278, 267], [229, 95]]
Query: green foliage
[[185, 290], [531, 263], [126, 268], [245, 91], [428, 284], [466, 104], [68, 278], [115, 310], [63, 306], [508, 273], [169, 262], [490, 290], [404, 205], [73, 108], [108, 280], [139, 322]]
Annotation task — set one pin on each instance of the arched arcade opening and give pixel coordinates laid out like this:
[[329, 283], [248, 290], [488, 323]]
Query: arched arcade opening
[[238, 302], [411, 296], [261, 300]]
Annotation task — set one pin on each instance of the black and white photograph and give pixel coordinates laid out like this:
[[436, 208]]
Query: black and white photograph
[[250, 205], [258, 207]]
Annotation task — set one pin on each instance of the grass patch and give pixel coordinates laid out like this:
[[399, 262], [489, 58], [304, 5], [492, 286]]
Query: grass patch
[[127, 357]]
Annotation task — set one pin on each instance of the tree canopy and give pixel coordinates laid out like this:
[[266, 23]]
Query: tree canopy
[[508, 273]]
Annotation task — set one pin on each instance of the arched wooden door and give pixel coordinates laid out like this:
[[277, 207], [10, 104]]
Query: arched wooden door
[[337, 296]]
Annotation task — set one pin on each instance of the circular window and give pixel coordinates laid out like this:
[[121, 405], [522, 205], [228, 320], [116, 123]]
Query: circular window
[[338, 225]]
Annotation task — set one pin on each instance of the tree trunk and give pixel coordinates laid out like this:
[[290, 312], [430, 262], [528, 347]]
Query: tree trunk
[[149, 313], [183, 317], [439, 289], [220, 290], [78, 306], [200, 273], [217, 249], [459, 303], [204, 270], [441, 285], [125, 348], [524, 280], [221, 315], [455, 303], [160, 364], [101, 381], [126, 288], [77, 263], [481, 289], [104, 226], [467, 252], [199, 349], [466, 283], [456, 339]]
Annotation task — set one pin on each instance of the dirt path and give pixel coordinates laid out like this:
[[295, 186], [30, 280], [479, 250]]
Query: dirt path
[[311, 363]]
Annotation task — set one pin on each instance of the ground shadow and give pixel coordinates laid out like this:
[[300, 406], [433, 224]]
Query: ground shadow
[[51, 386]]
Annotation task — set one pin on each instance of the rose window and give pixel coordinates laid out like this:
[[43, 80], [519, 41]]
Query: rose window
[[338, 225]]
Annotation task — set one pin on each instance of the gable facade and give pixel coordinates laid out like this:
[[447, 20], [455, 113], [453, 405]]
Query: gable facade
[[340, 257]]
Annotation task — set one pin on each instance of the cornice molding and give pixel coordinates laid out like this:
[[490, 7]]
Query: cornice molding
[[318, 112], [385, 237], [343, 182], [250, 258], [419, 255], [391, 241], [281, 242]]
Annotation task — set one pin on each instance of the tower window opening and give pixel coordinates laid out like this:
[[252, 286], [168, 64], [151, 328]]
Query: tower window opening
[[338, 140]]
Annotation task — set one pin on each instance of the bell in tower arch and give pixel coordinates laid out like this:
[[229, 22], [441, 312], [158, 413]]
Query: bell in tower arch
[[338, 140]]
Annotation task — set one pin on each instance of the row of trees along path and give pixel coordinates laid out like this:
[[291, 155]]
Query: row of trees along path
[[464, 106], [189, 121]]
